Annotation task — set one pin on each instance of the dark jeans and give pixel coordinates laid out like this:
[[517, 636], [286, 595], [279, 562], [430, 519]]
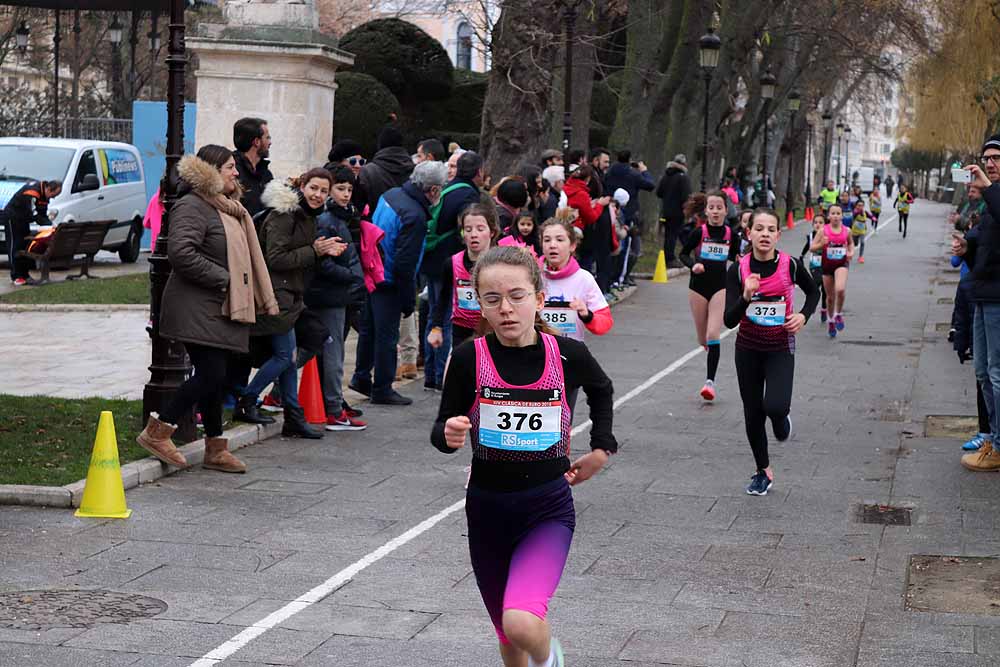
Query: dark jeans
[[16, 241], [206, 387], [280, 368], [377, 342], [434, 359], [671, 232]]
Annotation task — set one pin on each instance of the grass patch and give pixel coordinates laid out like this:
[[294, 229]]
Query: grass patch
[[130, 289], [48, 441]]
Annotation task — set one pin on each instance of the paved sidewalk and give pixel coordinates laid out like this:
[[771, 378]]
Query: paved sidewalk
[[672, 563]]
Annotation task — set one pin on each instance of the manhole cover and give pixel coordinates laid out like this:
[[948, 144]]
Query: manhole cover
[[953, 584], [946, 299], [40, 610], [871, 343], [884, 515], [950, 426]]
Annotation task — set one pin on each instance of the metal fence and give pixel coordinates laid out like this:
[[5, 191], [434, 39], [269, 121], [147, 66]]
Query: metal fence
[[97, 129]]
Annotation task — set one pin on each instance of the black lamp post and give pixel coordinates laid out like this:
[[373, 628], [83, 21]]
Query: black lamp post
[[840, 151], [809, 176], [169, 366], [827, 140], [847, 157], [708, 54], [767, 84], [570, 18], [115, 37], [794, 101]]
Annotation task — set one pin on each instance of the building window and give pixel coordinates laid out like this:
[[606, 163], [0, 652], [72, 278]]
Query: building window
[[463, 55]]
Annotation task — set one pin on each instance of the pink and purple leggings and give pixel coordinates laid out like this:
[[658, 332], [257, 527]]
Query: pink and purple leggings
[[519, 541]]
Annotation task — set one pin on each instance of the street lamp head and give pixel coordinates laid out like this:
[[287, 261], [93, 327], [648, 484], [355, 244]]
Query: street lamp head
[[794, 101], [708, 49], [115, 31], [767, 84], [827, 120], [847, 130], [21, 36], [154, 41], [840, 130]]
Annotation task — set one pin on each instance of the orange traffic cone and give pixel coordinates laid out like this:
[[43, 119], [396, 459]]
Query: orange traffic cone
[[790, 222], [809, 214], [311, 395]]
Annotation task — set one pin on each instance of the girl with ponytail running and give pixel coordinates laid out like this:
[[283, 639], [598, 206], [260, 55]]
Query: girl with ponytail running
[[759, 298], [713, 245], [507, 392], [837, 247]]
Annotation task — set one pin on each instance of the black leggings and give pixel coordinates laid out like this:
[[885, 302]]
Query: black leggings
[[904, 218], [766, 389], [206, 387]]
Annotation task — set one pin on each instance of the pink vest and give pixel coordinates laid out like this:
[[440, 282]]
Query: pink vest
[[835, 245], [705, 238], [772, 305], [464, 304], [371, 260], [520, 423]]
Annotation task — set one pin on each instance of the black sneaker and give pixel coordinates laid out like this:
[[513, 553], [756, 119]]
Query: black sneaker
[[363, 389], [630, 283], [392, 398], [783, 431], [759, 484], [430, 385]]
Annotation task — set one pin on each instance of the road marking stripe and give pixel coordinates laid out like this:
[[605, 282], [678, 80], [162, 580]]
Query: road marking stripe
[[313, 596]]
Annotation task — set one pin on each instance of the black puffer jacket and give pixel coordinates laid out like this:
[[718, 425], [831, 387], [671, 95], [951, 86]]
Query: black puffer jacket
[[253, 181], [390, 168], [337, 281], [673, 191]]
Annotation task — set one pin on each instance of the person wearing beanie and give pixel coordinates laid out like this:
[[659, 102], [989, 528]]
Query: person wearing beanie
[[345, 153], [511, 197], [983, 255], [389, 168]]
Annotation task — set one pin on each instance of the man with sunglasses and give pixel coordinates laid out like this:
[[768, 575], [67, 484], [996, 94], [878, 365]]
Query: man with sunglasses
[[983, 255], [347, 153]]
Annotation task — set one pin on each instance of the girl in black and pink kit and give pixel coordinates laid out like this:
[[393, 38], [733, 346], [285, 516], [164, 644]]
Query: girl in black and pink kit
[[507, 391], [836, 244], [759, 291], [480, 230]]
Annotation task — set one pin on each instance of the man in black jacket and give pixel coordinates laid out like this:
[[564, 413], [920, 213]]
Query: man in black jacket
[[29, 204], [631, 178], [673, 191], [442, 242], [983, 255], [253, 146], [389, 169]]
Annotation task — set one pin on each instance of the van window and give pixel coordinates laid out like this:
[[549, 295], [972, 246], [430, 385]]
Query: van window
[[87, 166]]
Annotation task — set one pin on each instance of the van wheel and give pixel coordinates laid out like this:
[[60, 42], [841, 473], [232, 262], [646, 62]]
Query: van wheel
[[129, 252]]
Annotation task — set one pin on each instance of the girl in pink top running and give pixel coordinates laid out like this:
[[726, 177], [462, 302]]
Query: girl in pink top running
[[835, 243]]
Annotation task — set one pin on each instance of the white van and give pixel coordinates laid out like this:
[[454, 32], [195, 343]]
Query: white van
[[102, 180]]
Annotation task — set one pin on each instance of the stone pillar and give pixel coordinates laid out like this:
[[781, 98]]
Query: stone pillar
[[269, 61]]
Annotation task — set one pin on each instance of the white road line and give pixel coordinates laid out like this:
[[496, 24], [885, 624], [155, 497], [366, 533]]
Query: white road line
[[882, 224], [228, 648]]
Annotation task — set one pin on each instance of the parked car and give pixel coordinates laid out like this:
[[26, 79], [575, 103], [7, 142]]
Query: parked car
[[102, 180]]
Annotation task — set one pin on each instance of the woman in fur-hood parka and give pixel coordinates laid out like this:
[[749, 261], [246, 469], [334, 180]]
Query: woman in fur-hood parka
[[211, 236]]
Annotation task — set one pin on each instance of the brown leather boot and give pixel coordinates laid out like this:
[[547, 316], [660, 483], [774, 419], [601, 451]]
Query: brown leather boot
[[155, 439], [407, 372], [217, 457]]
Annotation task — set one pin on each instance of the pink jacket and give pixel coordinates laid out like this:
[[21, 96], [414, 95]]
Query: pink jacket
[[154, 218], [371, 260]]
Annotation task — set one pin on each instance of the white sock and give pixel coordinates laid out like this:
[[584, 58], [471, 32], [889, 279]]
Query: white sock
[[548, 662]]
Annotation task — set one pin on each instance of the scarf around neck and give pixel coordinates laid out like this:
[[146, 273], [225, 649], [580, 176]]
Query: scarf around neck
[[572, 266]]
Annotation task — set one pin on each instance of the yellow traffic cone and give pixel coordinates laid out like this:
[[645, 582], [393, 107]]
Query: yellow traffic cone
[[660, 274], [104, 494]]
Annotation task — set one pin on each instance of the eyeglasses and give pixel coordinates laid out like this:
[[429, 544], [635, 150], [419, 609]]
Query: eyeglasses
[[514, 298], [994, 158], [356, 161]]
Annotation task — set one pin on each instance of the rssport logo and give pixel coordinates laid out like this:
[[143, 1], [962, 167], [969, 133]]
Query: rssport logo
[[512, 440]]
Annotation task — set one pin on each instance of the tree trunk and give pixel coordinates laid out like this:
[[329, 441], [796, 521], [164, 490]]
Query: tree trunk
[[520, 84]]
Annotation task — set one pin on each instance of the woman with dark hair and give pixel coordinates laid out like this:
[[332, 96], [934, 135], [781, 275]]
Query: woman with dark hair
[[291, 248], [218, 286]]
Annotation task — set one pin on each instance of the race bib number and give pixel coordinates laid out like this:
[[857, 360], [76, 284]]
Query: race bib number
[[561, 320], [815, 261], [523, 420], [767, 313], [466, 295], [835, 253], [716, 252]]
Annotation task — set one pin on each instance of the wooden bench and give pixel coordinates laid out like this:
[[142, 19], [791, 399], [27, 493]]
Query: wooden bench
[[67, 244]]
